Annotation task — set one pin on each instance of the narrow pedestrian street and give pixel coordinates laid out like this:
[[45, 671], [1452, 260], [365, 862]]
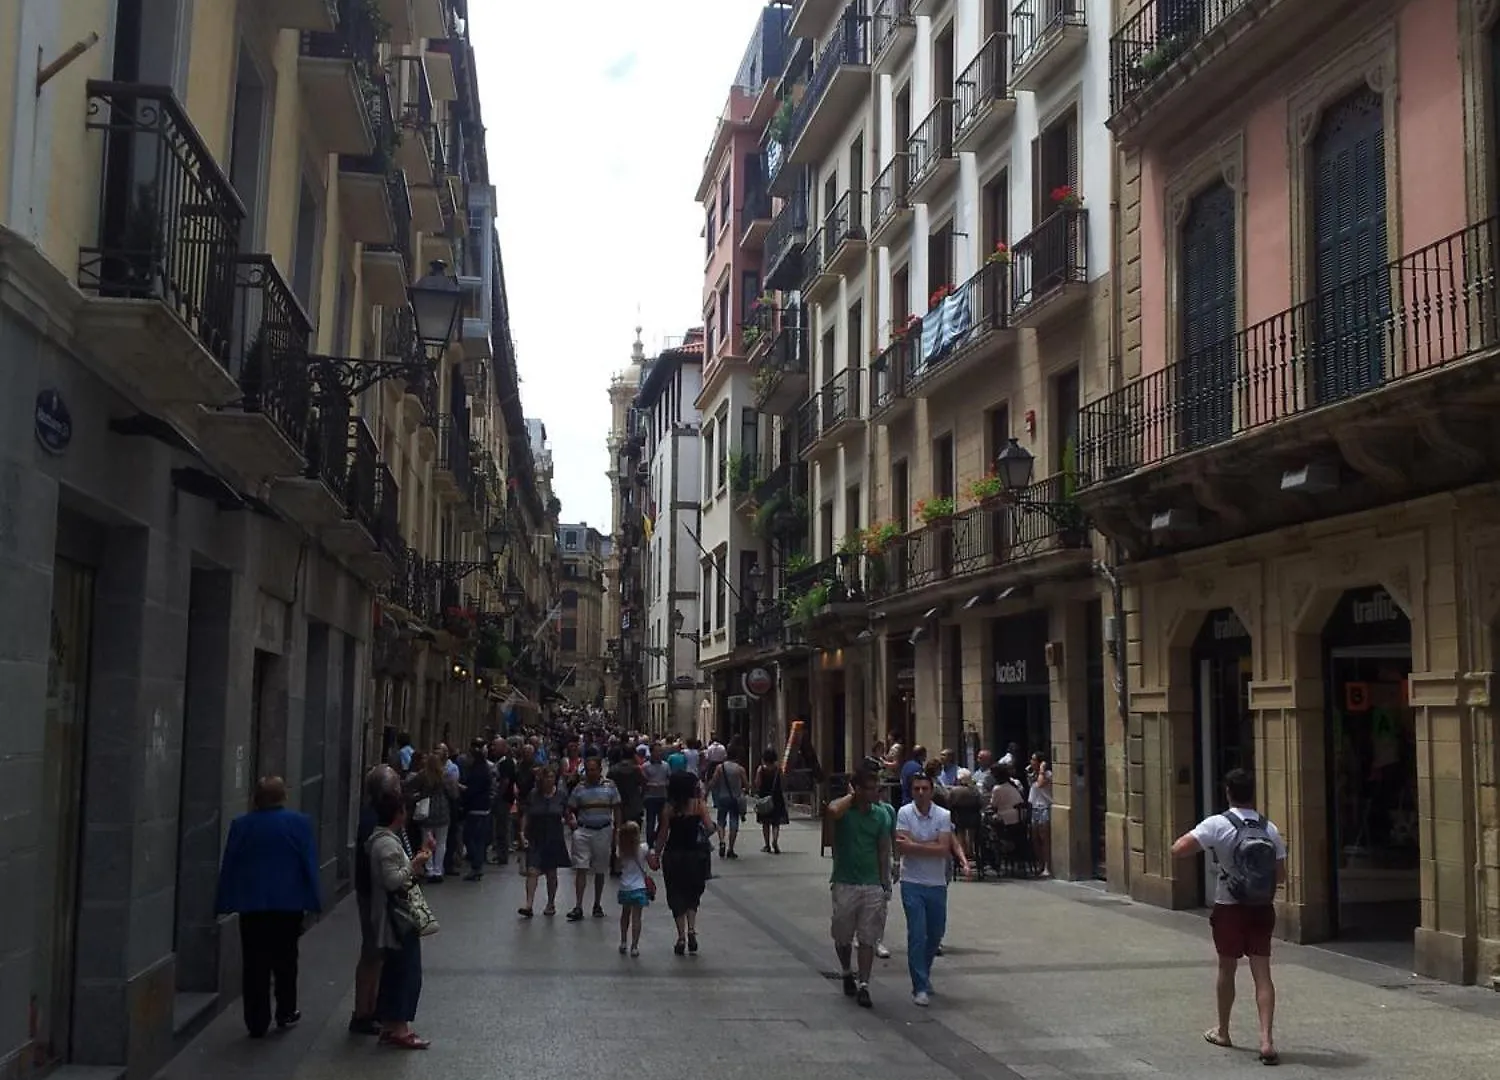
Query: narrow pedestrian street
[[1044, 981]]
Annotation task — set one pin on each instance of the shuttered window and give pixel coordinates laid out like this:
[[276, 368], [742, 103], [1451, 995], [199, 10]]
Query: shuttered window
[[1207, 317], [1352, 296]]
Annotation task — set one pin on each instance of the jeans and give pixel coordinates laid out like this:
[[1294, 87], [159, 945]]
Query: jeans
[[400, 982], [654, 805], [500, 816], [268, 947], [477, 839], [926, 909]]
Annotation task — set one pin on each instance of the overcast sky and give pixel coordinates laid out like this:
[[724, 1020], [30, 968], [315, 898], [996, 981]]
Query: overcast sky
[[598, 116]]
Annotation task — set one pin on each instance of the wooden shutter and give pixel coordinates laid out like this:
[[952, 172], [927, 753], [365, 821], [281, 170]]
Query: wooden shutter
[[1207, 287], [1351, 295]]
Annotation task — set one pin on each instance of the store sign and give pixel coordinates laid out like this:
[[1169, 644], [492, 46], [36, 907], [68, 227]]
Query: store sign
[[54, 425], [758, 682], [1012, 673], [737, 702], [1020, 643], [1379, 608], [1227, 627]]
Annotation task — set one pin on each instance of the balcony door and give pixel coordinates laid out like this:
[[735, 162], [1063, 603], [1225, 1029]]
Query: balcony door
[[1205, 371], [1352, 296]]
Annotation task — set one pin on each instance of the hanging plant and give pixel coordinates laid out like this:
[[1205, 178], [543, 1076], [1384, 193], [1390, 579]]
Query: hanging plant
[[1001, 254], [986, 489], [937, 508], [879, 537]]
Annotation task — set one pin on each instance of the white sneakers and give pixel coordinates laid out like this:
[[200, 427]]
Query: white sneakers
[[881, 951], [921, 998]]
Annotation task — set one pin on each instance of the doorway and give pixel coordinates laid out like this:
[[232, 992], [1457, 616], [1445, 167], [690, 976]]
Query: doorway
[[1372, 756], [1094, 756], [1224, 731], [60, 821]]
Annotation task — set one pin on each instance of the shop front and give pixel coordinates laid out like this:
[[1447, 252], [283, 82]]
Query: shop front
[[1022, 687]]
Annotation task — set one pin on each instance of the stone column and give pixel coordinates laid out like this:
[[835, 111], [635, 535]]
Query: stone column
[[126, 977], [1162, 780], [1071, 857], [927, 729]]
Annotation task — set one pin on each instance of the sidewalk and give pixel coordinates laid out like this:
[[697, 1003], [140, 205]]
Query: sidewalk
[[1053, 980]]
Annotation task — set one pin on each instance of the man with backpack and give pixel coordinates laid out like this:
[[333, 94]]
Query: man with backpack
[[1250, 857]]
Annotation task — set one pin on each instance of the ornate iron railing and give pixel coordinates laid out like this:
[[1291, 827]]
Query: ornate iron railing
[[270, 348], [788, 352], [326, 451], [844, 222], [1033, 24], [808, 424], [888, 193], [840, 400], [1056, 253], [168, 218], [388, 513], [1433, 307], [453, 450], [969, 313], [930, 142], [985, 81], [888, 20], [357, 36], [814, 258], [362, 495], [786, 239], [848, 46], [1151, 40], [887, 381]]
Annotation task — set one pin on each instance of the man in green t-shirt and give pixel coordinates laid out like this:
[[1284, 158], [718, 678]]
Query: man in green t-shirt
[[861, 878]]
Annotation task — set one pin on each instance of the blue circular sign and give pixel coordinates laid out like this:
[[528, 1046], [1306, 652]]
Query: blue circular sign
[[54, 427]]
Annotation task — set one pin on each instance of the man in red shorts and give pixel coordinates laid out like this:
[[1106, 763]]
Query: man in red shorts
[[1250, 857]]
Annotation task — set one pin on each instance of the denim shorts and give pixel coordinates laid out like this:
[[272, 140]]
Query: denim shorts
[[729, 814]]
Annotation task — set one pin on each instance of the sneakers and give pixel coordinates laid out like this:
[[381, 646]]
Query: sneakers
[[364, 1025], [881, 951], [575, 915], [850, 989], [863, 997], [921, 998], [290, 1020], [635, 951], [623, 948], [598, 911]]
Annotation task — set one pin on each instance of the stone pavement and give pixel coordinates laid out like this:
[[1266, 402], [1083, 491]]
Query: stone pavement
[[1043, 981]]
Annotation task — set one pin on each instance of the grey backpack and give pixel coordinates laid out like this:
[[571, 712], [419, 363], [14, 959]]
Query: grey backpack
[[1249, 874]]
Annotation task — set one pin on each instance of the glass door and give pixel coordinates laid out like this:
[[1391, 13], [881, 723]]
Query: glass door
[[60, 822]]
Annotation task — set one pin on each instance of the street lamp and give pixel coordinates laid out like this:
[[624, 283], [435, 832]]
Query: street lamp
[[1015, 465], [677, 620], [437, 302], [756, 579]]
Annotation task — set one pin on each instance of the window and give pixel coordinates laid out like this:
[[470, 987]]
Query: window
[[570, 540], [851, 510], [857, 184], [721, 447], [710, 330], [569, 570], [826, 353], [748, 560], [710, 232], [825, 529], [247, 146], [942, 466], [939, 260], [725, 326], [996, 212], [750, 434], [856, 335], [1065, 404], [1054, 164], [569, 639], [726, 186], [901, 115], [1207, 316], [307, 250], [721, 593], [705, 597], [900, 493], [997, 428], [749, 292], [569, 598], [900, 297], [942, 65]]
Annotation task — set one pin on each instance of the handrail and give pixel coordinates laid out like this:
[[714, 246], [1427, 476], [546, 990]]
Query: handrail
[[888, 19], [270, 347], [849, 45], [1052, 255], [1033, 22], [931, 141], [888, 193], [1151, 40], [985, 80]]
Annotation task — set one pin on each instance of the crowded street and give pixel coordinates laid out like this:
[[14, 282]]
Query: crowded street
[[1041, 980]]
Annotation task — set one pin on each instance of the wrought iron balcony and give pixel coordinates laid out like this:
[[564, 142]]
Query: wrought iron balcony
[[1045, 35], [840, 402], [893, 28], [984, 99], [161, 269], [813, 256], [1050, 265], [789, 477], [781, 372], [759, 328], [785, 243], [263, 435], [889, 206], [929, 152], [1428, 311], [1042, 519], [454, 475], [965, 329], [844, 234], [388, 515], [362, 495], [756, 212], [887, 380], [840, 81], [808, 424], [336, 68]]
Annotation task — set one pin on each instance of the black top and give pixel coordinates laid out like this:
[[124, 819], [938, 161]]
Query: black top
[[479, 784]]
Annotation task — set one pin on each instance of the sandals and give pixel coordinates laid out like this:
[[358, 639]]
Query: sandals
[[1273, 1058], [1211, 1036], [410, 1041], [524, 912], [680, 947], [549, 911]]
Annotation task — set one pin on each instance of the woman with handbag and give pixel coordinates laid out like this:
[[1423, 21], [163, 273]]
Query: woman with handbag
[[429, 796], [399, 917], [770, 801], [682, 853]]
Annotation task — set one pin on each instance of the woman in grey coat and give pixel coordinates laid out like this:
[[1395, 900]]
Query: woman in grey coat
[[391, 871]]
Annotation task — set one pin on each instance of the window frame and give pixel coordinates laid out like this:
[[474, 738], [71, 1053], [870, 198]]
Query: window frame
[[1224, 162]]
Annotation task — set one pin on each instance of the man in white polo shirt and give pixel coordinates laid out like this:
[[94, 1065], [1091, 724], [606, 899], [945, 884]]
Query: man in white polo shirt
[[927, 844]]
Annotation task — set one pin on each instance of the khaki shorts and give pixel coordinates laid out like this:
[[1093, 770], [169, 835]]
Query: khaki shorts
[[592, 849], [858, 910]]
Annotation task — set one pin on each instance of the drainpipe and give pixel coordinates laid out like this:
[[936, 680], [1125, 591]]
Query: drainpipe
[[873, 651]]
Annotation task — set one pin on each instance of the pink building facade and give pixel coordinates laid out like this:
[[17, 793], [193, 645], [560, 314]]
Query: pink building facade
[[1294, 463]]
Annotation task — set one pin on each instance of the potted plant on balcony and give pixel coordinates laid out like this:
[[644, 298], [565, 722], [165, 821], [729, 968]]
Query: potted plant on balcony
[[765, 380], [1072, 526], [459, 621], [781, 123], [936, 511], [1152, 63], [941, 293], [988, 490], [750, 336], [912, 325], [879, 538], [806, 606], [1065, 198], [1001, 254]]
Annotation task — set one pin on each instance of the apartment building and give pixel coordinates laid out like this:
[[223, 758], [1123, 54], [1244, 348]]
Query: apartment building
[[734, 559], [942, 255], [1296, 459], [666, 407], [580, 659], [254, 319], [624, 569]]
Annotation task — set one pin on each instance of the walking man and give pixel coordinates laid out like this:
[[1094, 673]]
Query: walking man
[[593, 813], [1251, 859], [861, 881], [478, 801], [927, 845], [269, 877]]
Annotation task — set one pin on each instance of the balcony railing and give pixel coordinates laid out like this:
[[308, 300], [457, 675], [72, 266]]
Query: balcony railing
[[1152, 39], [1433, 307], [808, 425], [453, 451], [930, 143], [1043, 518], [845, 222], [788, 476], [327, 450], [357, 36], [399, 197], [362, 496], [388, 514], [888, 193], [271, 342], [975, 309], [985, 81], [888, 20], [169, 220], [1033, 23], [424, 388], [787, 236], [814, 259], [380, 111], [788, 352], [848, 46], [840, 400], [887, 381], [1055, 254]]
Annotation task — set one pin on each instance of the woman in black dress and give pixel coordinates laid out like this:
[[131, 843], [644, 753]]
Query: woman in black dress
[[543, 838], [768, 786], [682, 852]]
